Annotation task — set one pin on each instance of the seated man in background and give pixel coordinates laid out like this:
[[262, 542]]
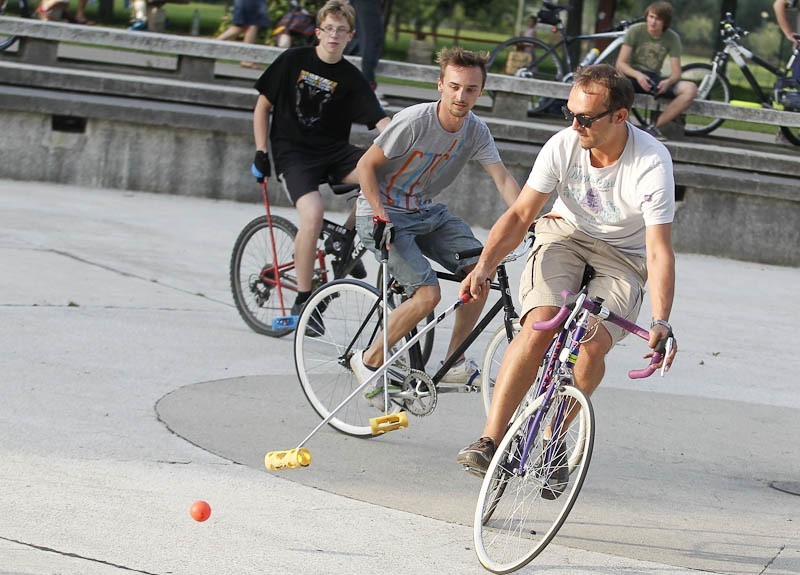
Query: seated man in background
[[641, 58]]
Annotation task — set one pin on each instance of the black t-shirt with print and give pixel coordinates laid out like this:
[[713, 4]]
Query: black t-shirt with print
[[314, 104]]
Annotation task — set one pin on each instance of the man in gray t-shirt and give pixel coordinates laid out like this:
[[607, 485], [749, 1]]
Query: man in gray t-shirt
[[422, 151]]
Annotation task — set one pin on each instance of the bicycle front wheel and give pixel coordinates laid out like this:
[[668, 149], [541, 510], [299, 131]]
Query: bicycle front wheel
[[492, 357], [527, 494], [528, 58], [711, 87], [253, 277], [341, 318]]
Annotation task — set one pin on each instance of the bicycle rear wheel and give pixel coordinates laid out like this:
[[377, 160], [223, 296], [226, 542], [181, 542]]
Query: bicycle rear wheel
[[528, 58], [252, 273], [351, 314], [711, 88], [514, 521], [492, 357]]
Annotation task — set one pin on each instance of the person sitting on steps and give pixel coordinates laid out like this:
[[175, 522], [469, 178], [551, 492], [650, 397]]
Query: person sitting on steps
[[641, 58]]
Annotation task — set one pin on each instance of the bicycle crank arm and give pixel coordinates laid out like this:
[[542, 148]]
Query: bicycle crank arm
[[457, 388], [385, 423], [290, 459]]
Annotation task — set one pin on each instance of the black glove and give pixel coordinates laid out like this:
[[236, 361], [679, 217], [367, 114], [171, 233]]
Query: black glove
[[382, 233], [261, 168]]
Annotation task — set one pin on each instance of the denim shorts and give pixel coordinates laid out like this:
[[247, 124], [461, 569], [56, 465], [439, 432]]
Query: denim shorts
[[432, 233], [557, 260]]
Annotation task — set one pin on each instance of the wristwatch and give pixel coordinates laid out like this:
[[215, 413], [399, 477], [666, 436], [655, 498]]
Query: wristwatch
[[663, 322]]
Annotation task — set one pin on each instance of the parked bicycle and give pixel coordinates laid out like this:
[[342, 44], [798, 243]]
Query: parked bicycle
[[528, 57], [352, 313], [262, 269], [714, 85], [540, 465], [23, 10]]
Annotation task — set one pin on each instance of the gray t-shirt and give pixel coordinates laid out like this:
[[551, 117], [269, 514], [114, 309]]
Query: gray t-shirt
[[424, 158], [648, 53]]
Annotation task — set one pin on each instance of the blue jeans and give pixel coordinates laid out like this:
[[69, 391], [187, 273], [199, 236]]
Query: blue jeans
[[432, 233]]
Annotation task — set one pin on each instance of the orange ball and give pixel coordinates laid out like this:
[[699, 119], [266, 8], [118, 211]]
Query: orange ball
[[200, 510]]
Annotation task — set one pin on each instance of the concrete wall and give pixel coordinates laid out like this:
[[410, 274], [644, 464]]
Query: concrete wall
[[174, 155]]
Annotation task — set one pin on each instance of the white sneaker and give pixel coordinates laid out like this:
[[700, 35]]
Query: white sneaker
[[374, 394], [360, 371], [464, 371]]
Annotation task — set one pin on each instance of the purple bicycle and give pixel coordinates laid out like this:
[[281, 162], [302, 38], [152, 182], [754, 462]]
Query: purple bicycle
[[539, 466]]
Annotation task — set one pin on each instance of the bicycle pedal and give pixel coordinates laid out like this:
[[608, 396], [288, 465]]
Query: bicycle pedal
[[285, 322], [474, 471]]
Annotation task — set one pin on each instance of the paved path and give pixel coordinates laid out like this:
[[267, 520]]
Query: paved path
[[120, 343]]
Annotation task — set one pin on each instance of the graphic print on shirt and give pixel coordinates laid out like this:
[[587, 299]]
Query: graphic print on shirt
[[406, 188], [588, 192], [312, 93]]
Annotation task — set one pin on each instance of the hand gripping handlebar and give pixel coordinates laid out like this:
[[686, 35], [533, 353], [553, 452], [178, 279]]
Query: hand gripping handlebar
[[596, 308]]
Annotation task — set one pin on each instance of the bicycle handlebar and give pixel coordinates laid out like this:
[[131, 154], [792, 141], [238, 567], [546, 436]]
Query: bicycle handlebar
[[520, 251], [596, 308], [625, 24]]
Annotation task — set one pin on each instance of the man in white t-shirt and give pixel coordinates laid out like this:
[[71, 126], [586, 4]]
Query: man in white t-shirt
[[616, 200]]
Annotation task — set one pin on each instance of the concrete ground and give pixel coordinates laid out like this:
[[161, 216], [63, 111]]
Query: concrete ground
[[130, 388]]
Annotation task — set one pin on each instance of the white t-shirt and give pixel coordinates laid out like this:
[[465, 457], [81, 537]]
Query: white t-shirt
[[613, 203], [424, 158]]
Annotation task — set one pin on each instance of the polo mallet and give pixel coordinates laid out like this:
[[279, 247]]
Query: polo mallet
[[285, 321], [301, 457]]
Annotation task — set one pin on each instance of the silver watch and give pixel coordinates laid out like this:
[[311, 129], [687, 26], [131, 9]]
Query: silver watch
[[663, 322]]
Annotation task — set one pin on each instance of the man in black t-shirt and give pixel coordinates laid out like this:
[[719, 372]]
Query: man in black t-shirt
[[315, 96]]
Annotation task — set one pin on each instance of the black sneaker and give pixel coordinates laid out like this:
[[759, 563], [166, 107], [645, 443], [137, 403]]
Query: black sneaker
[[476, 457], [315, 326], [359, 271], [559, 475]]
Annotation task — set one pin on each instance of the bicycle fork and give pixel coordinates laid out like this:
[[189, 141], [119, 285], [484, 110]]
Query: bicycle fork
[[557, 374]]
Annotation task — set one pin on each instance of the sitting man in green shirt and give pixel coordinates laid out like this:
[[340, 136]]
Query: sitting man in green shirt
[[642, 57]]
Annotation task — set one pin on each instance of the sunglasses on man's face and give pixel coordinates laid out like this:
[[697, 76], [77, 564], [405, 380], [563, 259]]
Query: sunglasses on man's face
[[583, 120]]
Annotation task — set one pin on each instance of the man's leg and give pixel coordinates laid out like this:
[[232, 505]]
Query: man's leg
[[402, 320], [310, 209], [518, 371], [466, 318], [685, 93]]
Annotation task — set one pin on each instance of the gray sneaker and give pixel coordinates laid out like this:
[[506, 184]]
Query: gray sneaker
[[476, 457], [559, 474], [656, 133], [463, 371]]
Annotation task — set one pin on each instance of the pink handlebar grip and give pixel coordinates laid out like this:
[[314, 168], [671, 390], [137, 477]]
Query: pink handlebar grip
[[647, 371], [557, 320]]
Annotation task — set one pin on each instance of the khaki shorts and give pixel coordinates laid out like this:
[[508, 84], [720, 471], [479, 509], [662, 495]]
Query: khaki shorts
[[557, 261]]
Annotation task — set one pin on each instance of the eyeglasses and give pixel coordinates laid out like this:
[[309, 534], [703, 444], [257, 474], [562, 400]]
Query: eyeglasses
[[583, 120], [331, 31]]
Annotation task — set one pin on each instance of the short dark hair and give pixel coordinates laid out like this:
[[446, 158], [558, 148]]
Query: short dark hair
[[457, 56], [619, 88], [662, 11]]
